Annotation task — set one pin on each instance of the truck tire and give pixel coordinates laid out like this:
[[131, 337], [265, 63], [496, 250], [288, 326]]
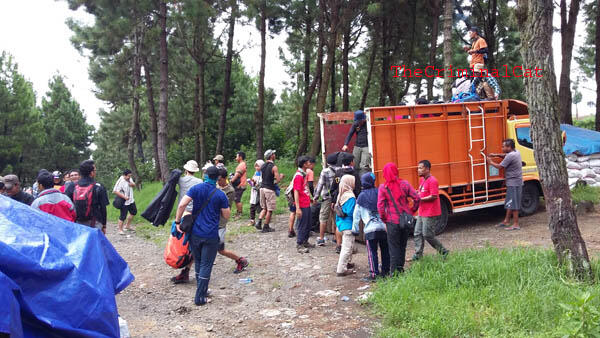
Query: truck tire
[[530, 199], [443, 221]]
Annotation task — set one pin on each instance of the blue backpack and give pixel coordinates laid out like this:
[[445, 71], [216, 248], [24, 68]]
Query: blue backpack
[[466, 96]]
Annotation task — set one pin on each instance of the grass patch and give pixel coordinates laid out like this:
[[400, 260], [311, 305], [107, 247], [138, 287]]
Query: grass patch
[[159, 235], [585, 193], [487, 293], [233, 232]]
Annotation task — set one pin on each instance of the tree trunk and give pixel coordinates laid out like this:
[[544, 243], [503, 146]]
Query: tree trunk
[[448, 13], [385, 65], [260, 112], [365, 93], [153, 117], [164, 95], [345, 69], [567, 35], [200, 112], [597, 59], [309, 87], [535, 24], [135, 108], [435, 28], [333, 107], [227, 85], [322, 94]]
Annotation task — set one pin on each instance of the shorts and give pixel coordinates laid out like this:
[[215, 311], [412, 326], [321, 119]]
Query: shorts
[[268, 199], [222, 239], [325, 211], [513, 198], [132, 209], [292, 207], [238, 194]]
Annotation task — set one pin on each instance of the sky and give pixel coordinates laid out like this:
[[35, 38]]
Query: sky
[[35, 33]]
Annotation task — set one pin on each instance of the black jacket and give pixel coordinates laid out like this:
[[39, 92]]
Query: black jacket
[[159, 210], [335, 185], [99, 198]]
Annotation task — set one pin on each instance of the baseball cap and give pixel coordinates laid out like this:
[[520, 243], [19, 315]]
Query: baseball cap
[[191, 166], [269, 153], [219, 158], [56, 174], [212, 172], [10, 181]]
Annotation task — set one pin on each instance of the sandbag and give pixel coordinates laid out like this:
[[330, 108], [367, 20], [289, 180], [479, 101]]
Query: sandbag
[[588, 173], [590, 181], [67, 274], [594, 163], [596, 170], [572, 157], [584, 164], [595, 156], [573, 165], [574, 173], [573, 181], [583, 158]]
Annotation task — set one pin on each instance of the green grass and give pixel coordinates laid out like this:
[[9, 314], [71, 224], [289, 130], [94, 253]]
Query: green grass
[[485, 293], [159, 235], [583, 193]]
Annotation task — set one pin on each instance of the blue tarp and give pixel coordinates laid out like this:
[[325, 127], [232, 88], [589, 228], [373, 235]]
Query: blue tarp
[[581, 141], [57, 278]]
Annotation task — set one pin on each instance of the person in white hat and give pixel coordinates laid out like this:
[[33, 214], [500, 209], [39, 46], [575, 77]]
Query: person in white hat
[[187, 181]]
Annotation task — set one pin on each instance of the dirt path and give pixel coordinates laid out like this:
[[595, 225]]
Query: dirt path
[[292, 294]]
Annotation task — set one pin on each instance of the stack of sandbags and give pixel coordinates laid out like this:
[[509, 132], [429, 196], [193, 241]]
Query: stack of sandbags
[[584, 169]]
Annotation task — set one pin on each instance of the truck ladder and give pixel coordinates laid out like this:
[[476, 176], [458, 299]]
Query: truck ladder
[[481, 113]]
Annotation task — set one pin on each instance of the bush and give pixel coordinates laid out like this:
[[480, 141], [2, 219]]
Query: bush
[[489, 292], [585, 193], [587, 123]]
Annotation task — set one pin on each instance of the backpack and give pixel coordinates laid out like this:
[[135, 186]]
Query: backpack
[[289, 191], [82, 199], [467, 97]]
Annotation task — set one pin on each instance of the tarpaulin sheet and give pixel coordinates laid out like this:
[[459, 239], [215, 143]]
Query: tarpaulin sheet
[[62, 276], [581, 141]]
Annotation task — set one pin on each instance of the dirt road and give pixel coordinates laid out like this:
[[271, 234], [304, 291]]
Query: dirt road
[[292, 294]]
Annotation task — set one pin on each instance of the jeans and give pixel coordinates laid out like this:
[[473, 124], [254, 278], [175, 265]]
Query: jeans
[[424, 230], [204, 251], [346, 252], [362, 159], [397, 238], [378, 241], [304, 226]]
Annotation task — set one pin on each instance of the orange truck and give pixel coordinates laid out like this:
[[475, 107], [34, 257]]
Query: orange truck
[[455, 138]]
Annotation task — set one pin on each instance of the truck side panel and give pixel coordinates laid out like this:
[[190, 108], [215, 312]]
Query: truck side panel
[[439, 133]]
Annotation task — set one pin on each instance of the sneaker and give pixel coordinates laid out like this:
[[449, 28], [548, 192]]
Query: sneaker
[[308, 245], [445, 253], [338, 249], [369, 279], [258, 225], [182, 277], [320, 242], [291, 234], [301, 249], [266, 229], [242, 263]]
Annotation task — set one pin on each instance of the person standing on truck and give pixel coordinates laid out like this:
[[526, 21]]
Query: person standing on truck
[[362, 157], [268, 199], [429, 212], [513, 173], [392, 203], [478, 50]]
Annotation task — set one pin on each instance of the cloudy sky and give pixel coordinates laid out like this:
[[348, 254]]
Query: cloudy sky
[[35, 33]]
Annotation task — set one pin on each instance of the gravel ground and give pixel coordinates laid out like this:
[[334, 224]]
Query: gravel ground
[[292, 294]]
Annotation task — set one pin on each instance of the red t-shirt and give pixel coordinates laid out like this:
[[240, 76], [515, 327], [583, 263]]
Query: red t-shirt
[[429, 187], [300, 186]]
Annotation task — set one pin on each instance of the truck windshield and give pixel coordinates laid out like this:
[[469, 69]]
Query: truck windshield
[[524, 138]]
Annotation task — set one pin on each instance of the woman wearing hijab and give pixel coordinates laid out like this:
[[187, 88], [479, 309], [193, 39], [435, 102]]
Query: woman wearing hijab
[[343, 220], [375, 233], [392, 201]]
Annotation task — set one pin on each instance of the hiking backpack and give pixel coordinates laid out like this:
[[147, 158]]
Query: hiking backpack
[[82, 198], [289, 191]]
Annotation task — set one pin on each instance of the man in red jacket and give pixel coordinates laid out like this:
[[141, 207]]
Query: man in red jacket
[[51, 200]]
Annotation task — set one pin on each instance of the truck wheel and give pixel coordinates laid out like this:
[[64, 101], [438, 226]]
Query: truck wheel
[[443, 221], [530, 199]]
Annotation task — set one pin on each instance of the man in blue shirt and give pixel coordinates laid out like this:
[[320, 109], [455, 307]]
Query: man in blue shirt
[[210, 204]]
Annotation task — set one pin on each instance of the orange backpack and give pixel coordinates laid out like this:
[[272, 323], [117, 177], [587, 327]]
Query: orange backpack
[[176, 254]]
